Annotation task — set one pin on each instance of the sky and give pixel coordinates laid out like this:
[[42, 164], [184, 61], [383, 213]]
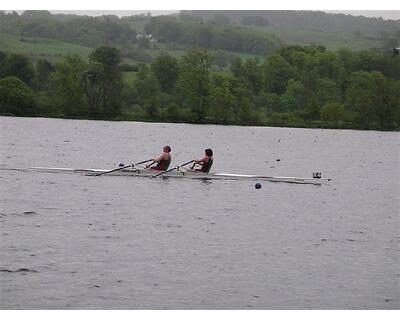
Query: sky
[[385, 14]]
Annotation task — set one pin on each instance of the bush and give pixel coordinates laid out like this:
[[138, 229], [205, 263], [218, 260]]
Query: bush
[[16, 97]]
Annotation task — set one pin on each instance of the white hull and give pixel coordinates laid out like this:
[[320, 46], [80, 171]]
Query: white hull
[[185, 174]]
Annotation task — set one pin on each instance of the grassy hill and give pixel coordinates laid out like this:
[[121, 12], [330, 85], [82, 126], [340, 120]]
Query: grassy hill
[[55, 50], [331, 40], [39, 34], [35, 48], [304, 20], [42, 35]]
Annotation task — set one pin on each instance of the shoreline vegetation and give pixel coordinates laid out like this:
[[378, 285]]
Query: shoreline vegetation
[[297, 86], [306, 86]]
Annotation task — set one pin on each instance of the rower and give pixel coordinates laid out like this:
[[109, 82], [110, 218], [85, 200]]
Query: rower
[[163, 161], [206, 162]]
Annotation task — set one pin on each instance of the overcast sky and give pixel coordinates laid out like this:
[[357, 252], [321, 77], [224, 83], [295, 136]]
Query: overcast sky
[[385, 14]]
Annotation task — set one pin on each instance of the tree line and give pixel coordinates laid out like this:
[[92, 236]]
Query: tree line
[[122, 32], [82, 30], [72, 88], [212, 35], [302, 86], [309, 20]]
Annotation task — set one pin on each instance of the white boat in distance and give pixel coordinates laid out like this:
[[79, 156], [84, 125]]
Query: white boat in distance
[[181, 173]]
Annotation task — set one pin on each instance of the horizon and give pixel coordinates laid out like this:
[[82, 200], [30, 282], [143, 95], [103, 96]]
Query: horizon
[[384, 14]]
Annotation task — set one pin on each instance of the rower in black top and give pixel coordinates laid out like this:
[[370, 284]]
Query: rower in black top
[[206, 162]]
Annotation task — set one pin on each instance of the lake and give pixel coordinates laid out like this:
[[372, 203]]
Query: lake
[[70, 241]]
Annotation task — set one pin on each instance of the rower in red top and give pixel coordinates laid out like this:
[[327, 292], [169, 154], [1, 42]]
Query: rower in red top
[[163, 161], [206, 162]]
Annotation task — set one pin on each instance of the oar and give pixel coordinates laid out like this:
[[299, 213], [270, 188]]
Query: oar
[[175, 168], [121, 168], [141, 162], [149, 165], [194, 164]]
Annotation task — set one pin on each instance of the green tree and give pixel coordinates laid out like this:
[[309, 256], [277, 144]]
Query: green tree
[[66, 89], [242, 110], [333, 112], [368, 60], [296, 95], [299, 60], [364, 96], [107, 56], [389, 114], [348, 60], [148, 93], [194, 82], [309, 76], [43, 70], [362, 103], [221, 58], [254, 75], [359, 99], [174, 112], [152, 109], [313, 110], [92, 81], [146, 85], [19, 66], [387, 102], [327, 90], [16, 97], [237, 67], [222, 100], [165, 68], [3, 58], [250, 71], [112, 85], [329, 66], [277, 74]]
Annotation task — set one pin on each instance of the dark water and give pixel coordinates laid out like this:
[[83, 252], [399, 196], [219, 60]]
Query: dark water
[[76, 242]]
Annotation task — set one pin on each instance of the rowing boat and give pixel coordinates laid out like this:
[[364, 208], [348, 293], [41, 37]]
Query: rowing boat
[[181, 173]]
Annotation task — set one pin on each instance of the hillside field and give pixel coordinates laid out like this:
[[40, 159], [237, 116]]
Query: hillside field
[[331, 40], [36, 48]]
